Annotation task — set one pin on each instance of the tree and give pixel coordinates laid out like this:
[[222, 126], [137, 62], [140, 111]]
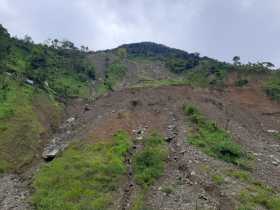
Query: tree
[[268, 64], [84, 48], [67, 45], [3, 31], [27, 39], [122, 53], [236, 60]]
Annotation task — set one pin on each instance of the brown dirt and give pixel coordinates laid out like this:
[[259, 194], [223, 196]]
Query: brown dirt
[[245, 112]]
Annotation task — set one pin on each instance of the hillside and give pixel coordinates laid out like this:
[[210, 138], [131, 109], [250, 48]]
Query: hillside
[[141, 126]]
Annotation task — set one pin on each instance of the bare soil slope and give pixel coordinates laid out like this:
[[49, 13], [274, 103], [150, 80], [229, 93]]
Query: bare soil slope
[[245, 112]]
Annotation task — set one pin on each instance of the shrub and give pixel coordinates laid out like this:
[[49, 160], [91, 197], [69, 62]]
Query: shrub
[[272, 87], [218, 179], [241, 82]]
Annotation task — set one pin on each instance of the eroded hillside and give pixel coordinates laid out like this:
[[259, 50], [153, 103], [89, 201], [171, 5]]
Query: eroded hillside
[[142, 126]]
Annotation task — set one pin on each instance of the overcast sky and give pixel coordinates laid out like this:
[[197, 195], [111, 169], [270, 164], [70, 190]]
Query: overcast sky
[[216, 28]]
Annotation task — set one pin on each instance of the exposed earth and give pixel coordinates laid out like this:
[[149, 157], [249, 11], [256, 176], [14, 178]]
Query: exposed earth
[[246, 113]]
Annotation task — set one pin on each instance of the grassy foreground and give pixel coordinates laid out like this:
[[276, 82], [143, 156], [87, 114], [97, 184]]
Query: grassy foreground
[[85, 177]]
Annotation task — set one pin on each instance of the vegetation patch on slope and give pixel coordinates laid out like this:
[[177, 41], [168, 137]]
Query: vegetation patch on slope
[[148, 166], [20, 126], [254, 194], [213, 140], [114, 74], [85, 177], [149, 163], [272, 87]]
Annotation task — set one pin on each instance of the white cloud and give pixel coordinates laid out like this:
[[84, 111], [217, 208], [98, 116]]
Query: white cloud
[[216, 28]]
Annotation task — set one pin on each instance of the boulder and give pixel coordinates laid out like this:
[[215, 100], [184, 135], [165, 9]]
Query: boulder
[[50, 154]]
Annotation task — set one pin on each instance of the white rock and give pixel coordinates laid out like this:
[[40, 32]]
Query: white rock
[[50, 154], [70, 120], [192, 173], [272, 131], [275, 163]]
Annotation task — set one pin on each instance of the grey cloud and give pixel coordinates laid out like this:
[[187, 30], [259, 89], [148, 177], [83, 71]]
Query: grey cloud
[[216, 28]]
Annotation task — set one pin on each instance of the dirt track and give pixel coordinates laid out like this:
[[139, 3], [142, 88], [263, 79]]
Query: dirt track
[[247, 114]]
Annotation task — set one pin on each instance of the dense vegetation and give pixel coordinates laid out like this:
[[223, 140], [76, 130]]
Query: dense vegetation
[[20, 125], [32, 78], [176, 60], [85, 177], [58, 66]]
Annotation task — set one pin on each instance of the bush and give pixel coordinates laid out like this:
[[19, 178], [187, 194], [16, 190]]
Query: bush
[[272, 87], [241, 82]]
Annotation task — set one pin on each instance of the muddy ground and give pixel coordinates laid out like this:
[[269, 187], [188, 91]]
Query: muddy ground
[[245, 112]]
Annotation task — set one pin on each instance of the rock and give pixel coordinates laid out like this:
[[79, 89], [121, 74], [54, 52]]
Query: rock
[[29, 81], [193, 173], [46, 84], [272, 131], [275, 163], [139, 138], [8, 73], [202, 197], [183, 151], [86, 108], [50, 154], [70, 120]]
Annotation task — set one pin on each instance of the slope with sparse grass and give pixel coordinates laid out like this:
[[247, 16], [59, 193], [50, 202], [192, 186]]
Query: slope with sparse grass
[[214, 141]]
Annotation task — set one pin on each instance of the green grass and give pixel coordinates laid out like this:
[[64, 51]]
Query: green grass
[[85, 177], [258, 195], [20, 125], [241, 175], [254, 194], [218, 179], [272, 87], [213, 140], [148, 164], [277, 136], [69, 86], [101, 89], [115, 74]]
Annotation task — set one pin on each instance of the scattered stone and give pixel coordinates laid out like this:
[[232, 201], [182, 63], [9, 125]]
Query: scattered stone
[[70, 120], [273, 131], [193, 173], [87, 108], [183, 151], [202, 197], [29, 81], [50, 154], [275, 163]]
